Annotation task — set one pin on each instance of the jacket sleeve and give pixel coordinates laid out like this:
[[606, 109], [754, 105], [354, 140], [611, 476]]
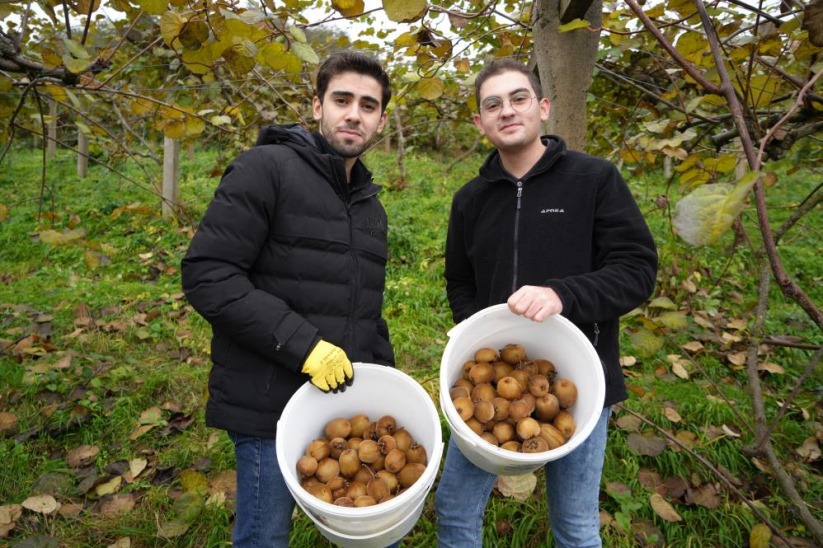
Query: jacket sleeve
[[461, 288], [215, 271], [624, 258], [383, 351]]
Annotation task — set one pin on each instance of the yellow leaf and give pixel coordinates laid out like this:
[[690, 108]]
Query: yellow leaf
[[574, 25], [109, 487], [91, 258], [171, 25], [194, 126], [708, 212], [76, 66], [663, 508], [405, 40], [153, 7], [672, 320], [52, 237], [646, 342], [199, 61], [760, 536], [405, 11], [58, 93], [139, 106], [174, 129], [430, 88], [348, 8], [194, 482], [51, 59], [462, 65], [663, 302], [4, 212]]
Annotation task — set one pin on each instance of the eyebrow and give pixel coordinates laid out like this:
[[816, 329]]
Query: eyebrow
[[350, 95], [514, 92]]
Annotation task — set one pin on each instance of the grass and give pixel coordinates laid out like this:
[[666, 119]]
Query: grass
[[142, 360]]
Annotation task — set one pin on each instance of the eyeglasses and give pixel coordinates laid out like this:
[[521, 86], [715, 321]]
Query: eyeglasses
[[493, 106]]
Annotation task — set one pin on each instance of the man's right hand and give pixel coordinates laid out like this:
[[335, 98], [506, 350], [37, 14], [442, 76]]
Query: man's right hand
[[329, 367], [535, 302]]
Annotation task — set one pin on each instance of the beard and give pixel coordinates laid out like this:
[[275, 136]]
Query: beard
[[344, 146]]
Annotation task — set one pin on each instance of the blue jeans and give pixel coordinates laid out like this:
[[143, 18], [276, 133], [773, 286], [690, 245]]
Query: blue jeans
[[574, 478], [264, 504]]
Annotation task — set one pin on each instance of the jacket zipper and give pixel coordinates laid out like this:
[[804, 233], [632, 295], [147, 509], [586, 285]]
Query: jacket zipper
[[347, 202], [596, 334], [516, 235]]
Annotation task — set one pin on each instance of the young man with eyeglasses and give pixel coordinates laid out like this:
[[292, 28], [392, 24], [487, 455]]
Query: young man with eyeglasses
[[548, 231]]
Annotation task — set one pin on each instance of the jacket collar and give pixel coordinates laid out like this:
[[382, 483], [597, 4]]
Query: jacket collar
[[493, 170]]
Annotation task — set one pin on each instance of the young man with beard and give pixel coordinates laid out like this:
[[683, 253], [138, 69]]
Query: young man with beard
[[548, 231], [288, 266]]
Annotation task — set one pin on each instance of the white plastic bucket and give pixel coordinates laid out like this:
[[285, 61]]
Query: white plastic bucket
[[555, 339], [377, 390]]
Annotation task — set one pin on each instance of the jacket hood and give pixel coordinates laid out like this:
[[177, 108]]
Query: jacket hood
[[317, 152], [493, 170]]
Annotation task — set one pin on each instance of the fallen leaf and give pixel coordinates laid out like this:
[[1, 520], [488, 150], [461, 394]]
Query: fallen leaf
[[679, 370], [771, 367], [672, 414], [123, 542], [42, 504], [140, 430], [108, 487], [70, 510], [731, 431], [517, 487], [82, 456], [116, 505], [809, 450], [172, 529], [706, 495], [737, 358], [629, 423], [225, 482], [646, 444], [737, 324], [627, 361], [193, 482], [759, 536], [8, 423], [136, 467], [693, 346], [664, 509]]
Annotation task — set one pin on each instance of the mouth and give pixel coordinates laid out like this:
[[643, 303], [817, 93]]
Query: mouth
[[349, 133], [507, 127]]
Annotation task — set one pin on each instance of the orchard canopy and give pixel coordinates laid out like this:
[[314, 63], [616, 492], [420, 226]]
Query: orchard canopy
[[713, 90]]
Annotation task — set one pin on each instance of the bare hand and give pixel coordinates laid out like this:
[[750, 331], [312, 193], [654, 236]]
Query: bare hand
[[535, 303]]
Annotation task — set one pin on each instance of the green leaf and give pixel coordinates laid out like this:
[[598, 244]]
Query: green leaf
[[646, 343], [574, 25], [663, 302], [77, 51], [305, 52], [430, 88], [672, 320], [298, 34], [153, 7], [708, 212], [405, 11], [760, 536], [171, 25]]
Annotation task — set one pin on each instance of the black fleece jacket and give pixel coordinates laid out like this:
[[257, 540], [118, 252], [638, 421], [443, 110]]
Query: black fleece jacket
[[571, 224], [286, 253]]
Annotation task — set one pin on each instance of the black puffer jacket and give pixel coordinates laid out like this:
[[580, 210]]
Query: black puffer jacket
[[571, 224], [286, 253]]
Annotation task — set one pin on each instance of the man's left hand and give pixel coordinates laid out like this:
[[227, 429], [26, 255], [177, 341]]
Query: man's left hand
[[534, 302]]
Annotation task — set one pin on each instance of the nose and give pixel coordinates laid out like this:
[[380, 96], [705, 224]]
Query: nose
[[353, 113], [507, 109]]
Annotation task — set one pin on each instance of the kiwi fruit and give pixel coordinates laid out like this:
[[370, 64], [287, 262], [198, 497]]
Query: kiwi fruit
[[306, 466], [359, 424], [349, 463], [519, 409], [357, 488], [337, 446], [522, 376], [403, 439], [528, 367], [489, 437], [395, 461], [512, 445], [466, 368], [459, 392], [327, 469], [486, 355], [386, 444], [338, 428], [354, 443], [484, 391], [321, 491], [416, 454], [513, 354], [377, 488], [552, 435], [483, 410], [565, 391], [410, 473], [466, 383], [534, 445], [501, 408], [482, 372], [386, 424], [368, 452], [379, 464], [545, 367], [338, 486], [344, 501], [391, 481], [364, 500], [503, 432], [501, 369], [564, 421], [319, 449], [539, 385], [527, 428], [464, 407], [530, 401], [546, 407], [509, 388], [475, 425], [364, 475]]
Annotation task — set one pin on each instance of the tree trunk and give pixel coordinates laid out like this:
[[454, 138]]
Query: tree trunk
[[171, 168], [51, 142], [82, 154], [566, 62]]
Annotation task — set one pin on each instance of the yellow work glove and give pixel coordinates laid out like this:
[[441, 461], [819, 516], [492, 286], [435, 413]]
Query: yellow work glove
[[329, 367]]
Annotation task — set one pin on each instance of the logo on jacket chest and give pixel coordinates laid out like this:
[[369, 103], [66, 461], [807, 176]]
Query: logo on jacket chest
[[550, 210], [375, 226]]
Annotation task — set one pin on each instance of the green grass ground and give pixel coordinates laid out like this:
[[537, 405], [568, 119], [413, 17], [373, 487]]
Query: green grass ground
[[100, 349]]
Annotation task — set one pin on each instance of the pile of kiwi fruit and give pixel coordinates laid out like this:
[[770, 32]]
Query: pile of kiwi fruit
[[513, 402], [358, 462]]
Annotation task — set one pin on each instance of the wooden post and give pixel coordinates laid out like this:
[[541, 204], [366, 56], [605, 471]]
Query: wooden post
[[82, 154], [171, 168], [667, 166], [51, 142]]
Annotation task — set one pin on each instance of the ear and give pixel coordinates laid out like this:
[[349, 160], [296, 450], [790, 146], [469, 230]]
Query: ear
[[317, 108], [383, 118], [478, 124], [545, 108]]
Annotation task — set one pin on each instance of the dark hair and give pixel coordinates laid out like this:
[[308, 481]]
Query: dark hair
[[499, 66], [353, 61]]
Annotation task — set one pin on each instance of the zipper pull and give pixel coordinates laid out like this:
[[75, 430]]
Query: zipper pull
[[519, 192], [596, 333]]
